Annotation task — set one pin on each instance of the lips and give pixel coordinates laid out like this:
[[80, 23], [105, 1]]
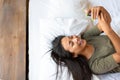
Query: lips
[[79, 41]]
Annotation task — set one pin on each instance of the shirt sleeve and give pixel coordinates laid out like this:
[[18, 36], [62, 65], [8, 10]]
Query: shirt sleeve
[[103, 65], [94, 31]]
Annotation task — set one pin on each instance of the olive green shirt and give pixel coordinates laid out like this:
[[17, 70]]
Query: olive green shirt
[[101, 60]]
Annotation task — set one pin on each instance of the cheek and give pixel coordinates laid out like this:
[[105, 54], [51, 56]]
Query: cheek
[[77, 49]]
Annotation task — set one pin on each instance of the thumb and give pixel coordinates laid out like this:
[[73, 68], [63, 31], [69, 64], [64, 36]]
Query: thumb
[[99, 17]]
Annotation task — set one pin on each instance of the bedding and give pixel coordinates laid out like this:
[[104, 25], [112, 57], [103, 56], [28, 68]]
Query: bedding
[[49, 18]]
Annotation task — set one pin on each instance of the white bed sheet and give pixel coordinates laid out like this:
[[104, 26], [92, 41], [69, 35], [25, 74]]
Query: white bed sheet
[[40, 67]]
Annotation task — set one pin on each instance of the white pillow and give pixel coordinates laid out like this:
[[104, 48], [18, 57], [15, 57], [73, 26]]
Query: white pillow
[[67, 8], [59, 8]]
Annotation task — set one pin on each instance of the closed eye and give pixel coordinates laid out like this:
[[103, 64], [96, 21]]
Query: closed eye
[[70, 42], [70, 37]]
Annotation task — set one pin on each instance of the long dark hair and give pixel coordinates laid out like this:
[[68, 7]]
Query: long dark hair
[[77, 66]]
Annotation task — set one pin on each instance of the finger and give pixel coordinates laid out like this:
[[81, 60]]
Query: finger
[[92, 13], [105, 17], [95, 13], [102, 16], [99, 17], [98, 11]]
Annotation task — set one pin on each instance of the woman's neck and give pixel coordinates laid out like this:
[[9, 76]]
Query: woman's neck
[[88, 51]]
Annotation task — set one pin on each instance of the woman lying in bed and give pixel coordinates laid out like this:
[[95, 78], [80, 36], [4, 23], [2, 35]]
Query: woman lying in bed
[[92, 52]]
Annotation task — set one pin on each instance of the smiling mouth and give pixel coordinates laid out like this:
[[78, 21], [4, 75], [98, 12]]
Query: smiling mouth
[[80, 41]]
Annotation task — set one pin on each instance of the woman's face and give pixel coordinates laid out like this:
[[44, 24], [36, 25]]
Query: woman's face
[[73, 44]]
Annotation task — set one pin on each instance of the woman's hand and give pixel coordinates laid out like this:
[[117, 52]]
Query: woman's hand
[[103, 16], [95, 12], [106, 15], [103, 23]]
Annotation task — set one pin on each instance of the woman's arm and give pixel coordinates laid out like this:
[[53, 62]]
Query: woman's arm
[[115, 39], [116, 42], [103, 64]]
